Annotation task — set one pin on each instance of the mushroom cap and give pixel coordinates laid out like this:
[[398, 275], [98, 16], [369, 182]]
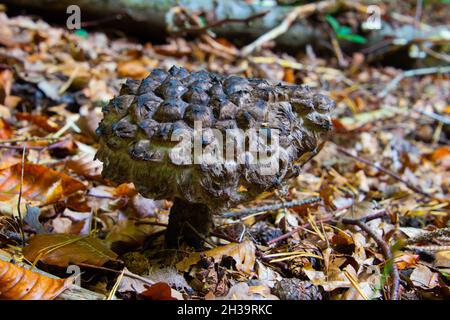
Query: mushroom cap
[[209, 138]]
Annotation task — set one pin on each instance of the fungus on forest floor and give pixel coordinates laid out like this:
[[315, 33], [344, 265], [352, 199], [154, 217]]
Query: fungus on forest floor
[[208, 141]]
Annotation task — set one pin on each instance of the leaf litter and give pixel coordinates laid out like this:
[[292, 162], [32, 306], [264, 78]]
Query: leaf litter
[[386, 166]]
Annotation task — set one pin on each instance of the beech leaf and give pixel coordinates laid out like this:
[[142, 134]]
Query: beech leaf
[[64, 249], [17, 283], [243, 253]]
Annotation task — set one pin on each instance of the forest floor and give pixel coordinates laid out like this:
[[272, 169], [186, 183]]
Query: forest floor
[[379, 230]]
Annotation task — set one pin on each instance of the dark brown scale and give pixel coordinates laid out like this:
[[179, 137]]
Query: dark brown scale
[[122, 103], [153, 81], [196, 95], [146, 106], [150, 127], [151, 116], [170, 110], [130, 87], [201, 113], [225, 109], [171, 88], [235, 84], [125, 128]]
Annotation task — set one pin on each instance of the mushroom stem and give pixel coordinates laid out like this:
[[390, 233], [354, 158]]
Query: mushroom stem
[[188, 222]]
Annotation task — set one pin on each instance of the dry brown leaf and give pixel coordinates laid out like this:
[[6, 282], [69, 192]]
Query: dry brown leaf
[[6, 79], [442, 259], [289, 75], [65, 249], [176, 48], [128, 232], [424, 278], [440, 153], [243, 253], [133, 69], [84, 163], [157, 291], [8, 160], [406, 261], [5, 130], [17, 283], [41, 121], [40, 184]]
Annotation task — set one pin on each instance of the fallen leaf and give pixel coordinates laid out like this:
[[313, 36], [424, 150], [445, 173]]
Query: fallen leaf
[[440, 153], [442, 156], [343, 242], [8, 159], [242, 291], [32, 219], [17, 283], [442, 259], [158, 291], [84, 164], [243, 253], [132, 69], [127, 233], [289, 75], [40, 183], [406, 261], [176, 47], [135, 283], [6, 79], [41, 121], [424, 278], [5, 130], [65, 249]]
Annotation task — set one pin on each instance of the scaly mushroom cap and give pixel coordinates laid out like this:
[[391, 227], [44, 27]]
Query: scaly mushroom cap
[[147, 135]]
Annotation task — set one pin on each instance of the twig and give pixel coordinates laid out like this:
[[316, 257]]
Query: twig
[[428, 248], [201, 29], [429, 236], [338, 51], [92, 23], [419, 4], [367, 218], [299, 12], [434, 116], [410, 20], [19, 211], [38, 148], [387, 253], [268, 260], [438, 55], [271, 207], [29, 139], [384, 170], [205, 37], [411, 73], [222, 236], [294, 231]]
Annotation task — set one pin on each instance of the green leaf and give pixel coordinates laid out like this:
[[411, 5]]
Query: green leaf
[[343, 31], [333, 22], [353, 38], [81, 33]]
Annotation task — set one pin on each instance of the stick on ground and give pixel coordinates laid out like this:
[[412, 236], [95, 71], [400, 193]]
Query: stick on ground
[[271, 207]]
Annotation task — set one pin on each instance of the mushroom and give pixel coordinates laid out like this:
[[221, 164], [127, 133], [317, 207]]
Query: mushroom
[[208, 141]]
